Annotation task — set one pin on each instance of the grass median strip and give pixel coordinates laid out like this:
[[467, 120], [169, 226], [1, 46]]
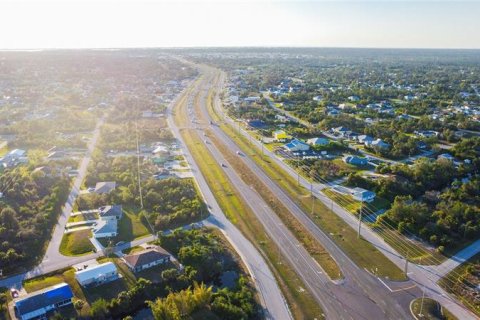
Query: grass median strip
[[363, 253], [300, 301], [316, 250]]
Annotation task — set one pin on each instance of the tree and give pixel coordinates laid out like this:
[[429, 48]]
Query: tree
[[99, 309]]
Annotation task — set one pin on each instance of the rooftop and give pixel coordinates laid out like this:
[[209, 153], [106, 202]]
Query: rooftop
[[43, 298], [146, 257], [95, 271]]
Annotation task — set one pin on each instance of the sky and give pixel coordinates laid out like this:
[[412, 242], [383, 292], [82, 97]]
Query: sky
[[27, 24]]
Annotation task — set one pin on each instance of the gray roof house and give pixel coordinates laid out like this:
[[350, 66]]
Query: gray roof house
[[355, 160], [146, 259], [105, 187], [110, 212], [36, 305], [107, 225]]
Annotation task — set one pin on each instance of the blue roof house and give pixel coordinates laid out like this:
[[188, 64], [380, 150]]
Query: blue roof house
[[36, 305]]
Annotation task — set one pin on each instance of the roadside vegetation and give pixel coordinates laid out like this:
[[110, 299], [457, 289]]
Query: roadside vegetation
[[29, 208], [464, 283]]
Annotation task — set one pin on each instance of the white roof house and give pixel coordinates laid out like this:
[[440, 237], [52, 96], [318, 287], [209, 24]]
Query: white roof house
[[97, 275], [317, 141], [364, 195]]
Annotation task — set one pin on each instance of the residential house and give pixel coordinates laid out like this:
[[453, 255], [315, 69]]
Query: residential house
[[280, 135], [146, 259], [97, 275], [354, 160], [378, 143], [111, 212], [318, 141], [363, 195], [447, 156], [364, 138], [251, 99], [162, 174], [354, 98], [161, 150], [426, 133], [14, 158], [296, 145], [107, 225], [256, 124], [37, 304], [105, 187]]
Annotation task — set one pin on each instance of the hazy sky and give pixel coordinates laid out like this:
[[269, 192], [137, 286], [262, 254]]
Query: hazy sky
[[150, 23]]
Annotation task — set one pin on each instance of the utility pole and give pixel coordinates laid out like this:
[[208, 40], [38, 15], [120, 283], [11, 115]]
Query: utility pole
[[298, 168], [360, 220], [138, 166], [406, 265], [313, 198], [421, 305]]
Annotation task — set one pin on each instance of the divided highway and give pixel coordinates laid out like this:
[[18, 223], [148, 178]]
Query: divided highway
[[359, 295], [424, 277], [269, 291]]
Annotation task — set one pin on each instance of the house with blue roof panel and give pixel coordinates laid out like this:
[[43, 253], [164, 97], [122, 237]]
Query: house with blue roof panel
[[36, 305]]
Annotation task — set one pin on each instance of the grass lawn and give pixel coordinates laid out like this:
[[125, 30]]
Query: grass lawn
[[363, 253], [76, 243], [106, 291], [133, 250], [353, 205], [349, 168], [301, 302], [431, 310], [131, 227], [42, 282]]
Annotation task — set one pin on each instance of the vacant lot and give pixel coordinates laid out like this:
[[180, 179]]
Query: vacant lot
[[76, 243]]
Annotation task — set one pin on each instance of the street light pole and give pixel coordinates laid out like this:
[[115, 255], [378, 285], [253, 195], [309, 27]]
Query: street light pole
[[360, 219]]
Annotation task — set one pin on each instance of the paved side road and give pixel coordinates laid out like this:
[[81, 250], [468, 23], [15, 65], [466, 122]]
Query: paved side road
[[269, 291]]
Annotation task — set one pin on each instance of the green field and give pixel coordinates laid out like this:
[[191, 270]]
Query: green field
[[77, 243]]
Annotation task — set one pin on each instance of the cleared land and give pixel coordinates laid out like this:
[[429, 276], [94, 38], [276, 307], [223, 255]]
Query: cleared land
[[76, 243]]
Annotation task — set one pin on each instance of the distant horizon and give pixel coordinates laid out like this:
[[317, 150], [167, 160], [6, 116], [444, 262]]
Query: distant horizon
[[103, 24], [236, 47]]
